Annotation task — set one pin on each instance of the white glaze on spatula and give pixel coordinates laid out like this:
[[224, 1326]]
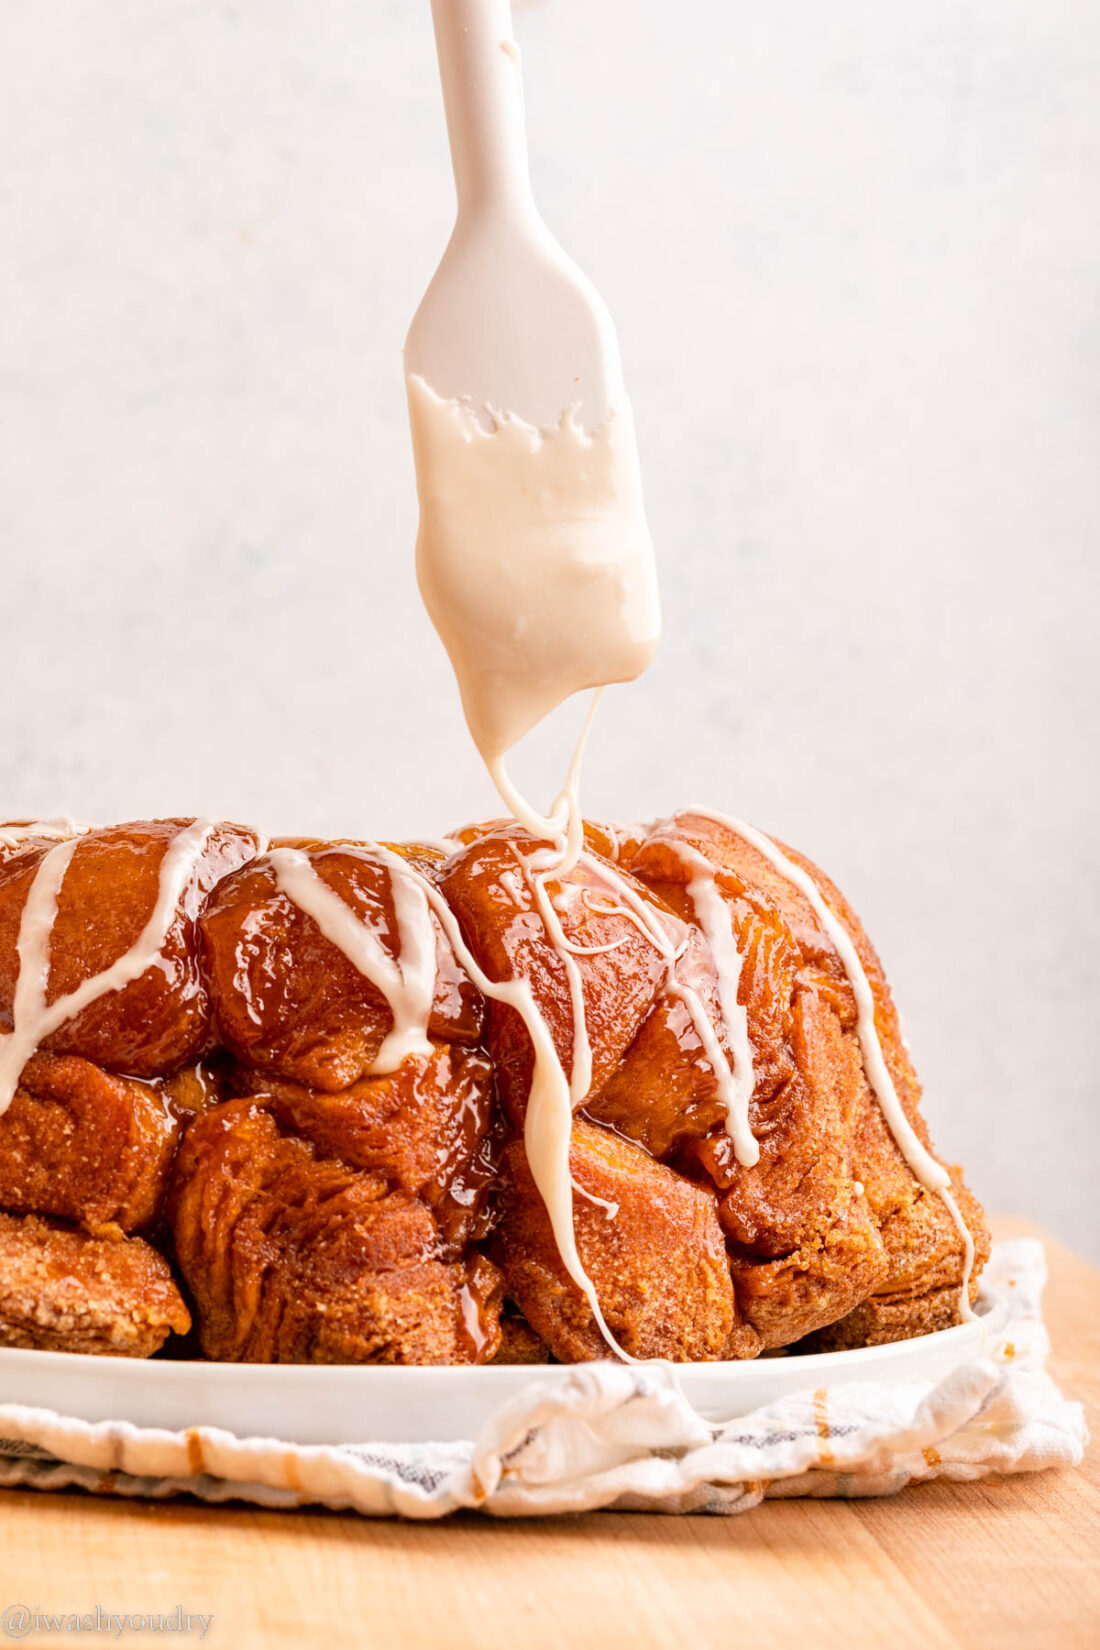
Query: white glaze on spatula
[[534, 560]]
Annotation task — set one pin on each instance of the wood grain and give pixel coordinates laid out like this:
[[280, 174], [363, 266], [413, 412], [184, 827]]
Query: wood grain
[[999, 1564]]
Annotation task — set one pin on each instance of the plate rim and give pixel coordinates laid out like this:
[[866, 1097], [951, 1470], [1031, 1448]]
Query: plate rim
[[990, 1317]]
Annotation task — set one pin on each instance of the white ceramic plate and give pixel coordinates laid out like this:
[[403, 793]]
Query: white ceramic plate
[[329, 1404]]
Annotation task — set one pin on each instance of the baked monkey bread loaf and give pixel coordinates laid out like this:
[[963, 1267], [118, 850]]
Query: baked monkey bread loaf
[[430, 1103]]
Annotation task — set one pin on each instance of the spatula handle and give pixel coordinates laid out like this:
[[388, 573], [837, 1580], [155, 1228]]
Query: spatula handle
[[483, 97]]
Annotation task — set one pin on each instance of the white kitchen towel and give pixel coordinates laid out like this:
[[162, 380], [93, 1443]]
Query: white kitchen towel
[[614, 1436]]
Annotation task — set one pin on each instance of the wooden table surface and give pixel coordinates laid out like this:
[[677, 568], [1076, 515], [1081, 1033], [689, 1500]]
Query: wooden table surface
[[1000, 1563]]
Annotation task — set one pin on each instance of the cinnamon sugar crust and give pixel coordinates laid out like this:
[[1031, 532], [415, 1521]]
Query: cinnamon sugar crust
[[228, 1105]]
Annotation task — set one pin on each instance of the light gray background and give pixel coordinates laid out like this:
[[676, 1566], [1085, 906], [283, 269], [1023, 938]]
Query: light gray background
[[853, 251]]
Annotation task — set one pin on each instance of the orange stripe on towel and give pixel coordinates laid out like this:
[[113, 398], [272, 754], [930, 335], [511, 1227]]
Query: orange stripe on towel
[[196, 1460], [821, 1421]]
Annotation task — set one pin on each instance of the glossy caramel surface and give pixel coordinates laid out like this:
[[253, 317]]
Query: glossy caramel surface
[[222, 1114]]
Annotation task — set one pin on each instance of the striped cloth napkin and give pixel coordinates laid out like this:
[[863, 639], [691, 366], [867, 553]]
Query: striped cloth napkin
[[614, 1436]]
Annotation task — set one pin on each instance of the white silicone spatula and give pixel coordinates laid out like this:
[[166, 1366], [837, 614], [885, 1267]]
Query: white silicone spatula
[[509, 321]]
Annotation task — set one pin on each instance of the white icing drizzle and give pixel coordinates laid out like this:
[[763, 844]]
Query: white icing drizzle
[[735, 1086], [619, 835], [447, 845], [715, 919], [591, 950], [42, 830], [406, 981], [947, 1198], [32, 1019], [580, 1080], [552, 1101], [522, 530], [610, 1209], [548, 1125], [731, 1084], [564, 825], [931, 1174], [614, 837]]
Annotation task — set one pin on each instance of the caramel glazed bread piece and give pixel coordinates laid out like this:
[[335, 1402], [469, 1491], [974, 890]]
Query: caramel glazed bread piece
[[439, 1104]]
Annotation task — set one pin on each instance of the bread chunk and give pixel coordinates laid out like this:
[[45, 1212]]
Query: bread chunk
[[296, 1258], [63, 1291], [655, 1254]]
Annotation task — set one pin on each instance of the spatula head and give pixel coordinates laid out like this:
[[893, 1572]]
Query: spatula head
[[510, 323]]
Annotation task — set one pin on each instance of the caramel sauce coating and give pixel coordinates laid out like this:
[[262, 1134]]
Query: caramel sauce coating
[[286, 999], [83, 1144], [427, 1128], [296, 1258], [831, 1214], [487, 889], [320, 1212], [161, 1020], [663, 1093]]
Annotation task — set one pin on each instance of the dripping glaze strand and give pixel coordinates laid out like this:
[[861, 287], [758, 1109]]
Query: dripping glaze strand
[[734, 1087], [554, 1098], [549, 1118], [548, 1127], [715, 920], [931, 1174], [548, 1124]]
